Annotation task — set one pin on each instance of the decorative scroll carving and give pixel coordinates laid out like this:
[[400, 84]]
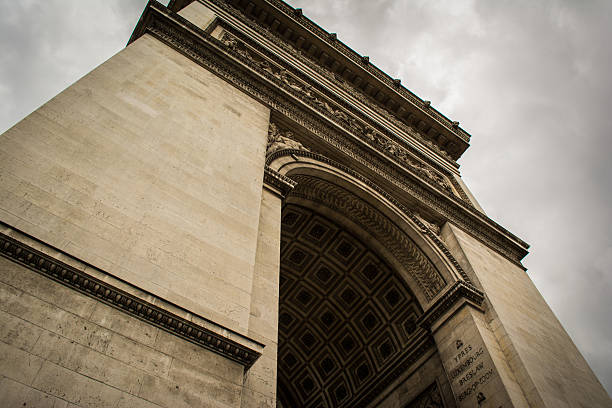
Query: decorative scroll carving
[[430, 225], [306, 93], [277, 181], [373, 104], [430, 398], [205, 50], [132, 305], [278, 140], [397, 242]]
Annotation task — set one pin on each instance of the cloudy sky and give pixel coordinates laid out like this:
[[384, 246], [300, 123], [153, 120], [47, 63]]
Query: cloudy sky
[[530, 80]]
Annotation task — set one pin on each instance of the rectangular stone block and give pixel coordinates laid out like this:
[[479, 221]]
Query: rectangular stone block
[[50, 317], [120, 322], [204, 360], [17, 332], [76, 388], [170, 393], [138, 355], [88, 362], [15, 394], [45, 289], [18, 364]]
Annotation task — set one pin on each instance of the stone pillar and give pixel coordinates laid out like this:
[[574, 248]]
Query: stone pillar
[[148, 172], [259, 388], [476, 369], [519, 330]]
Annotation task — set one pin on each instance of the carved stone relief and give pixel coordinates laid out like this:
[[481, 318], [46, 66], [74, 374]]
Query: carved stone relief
[[204, 49], [306, 93], [278, 140], [430, 398], [369, 101]]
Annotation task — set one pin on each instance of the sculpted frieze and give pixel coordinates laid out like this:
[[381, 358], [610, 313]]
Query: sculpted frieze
[[284, 78], [363, 61], [355, 92]]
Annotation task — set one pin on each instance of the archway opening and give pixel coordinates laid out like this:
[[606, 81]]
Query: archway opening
[[347, 320]]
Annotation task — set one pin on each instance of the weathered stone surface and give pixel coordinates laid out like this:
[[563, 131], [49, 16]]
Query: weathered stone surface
[[15, 394], [48, 355], [136, 165]]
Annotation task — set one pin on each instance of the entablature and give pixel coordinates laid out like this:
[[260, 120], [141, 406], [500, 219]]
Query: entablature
[[342, 131], [346, 72]]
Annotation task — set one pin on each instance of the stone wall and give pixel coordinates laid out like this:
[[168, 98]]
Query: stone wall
[[150, 168], [59, 348]]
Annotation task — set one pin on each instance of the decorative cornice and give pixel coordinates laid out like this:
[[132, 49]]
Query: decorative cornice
[[212, 54], [398, 102], [352, 122], [278, 182], [105, 292], [363, 61], [459, 291], [361, 96]]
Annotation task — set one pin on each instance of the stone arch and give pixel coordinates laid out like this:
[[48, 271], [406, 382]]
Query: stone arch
[[409, 241], [402, 246], [346, 320]]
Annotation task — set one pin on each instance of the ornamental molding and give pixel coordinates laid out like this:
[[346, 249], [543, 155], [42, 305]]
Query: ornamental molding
[[364, 60], [430, 282], [459, 292], [337, 80], [279, 183], [357, 62], [217, 57], [337, 110], [134, 306], [428, 229]]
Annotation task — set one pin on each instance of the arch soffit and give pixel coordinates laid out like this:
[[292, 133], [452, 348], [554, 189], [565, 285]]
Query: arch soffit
[[403, 238]]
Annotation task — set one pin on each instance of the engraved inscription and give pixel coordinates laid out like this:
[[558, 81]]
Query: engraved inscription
[[471, 371], [455, 372], [474, 386]]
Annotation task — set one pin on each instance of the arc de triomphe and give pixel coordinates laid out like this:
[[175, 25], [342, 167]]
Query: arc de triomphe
[[238, 210]]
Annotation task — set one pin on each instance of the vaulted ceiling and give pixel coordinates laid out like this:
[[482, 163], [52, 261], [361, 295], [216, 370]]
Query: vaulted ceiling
[[346, 319]]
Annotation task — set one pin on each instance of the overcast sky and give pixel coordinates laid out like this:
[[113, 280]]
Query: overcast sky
[[529, 80]]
